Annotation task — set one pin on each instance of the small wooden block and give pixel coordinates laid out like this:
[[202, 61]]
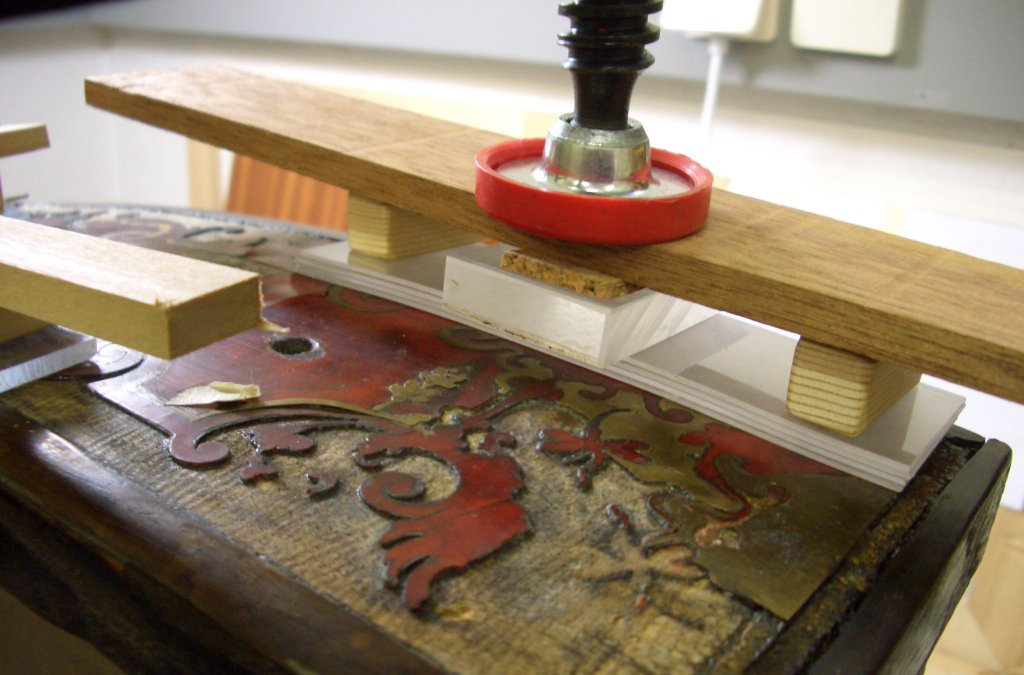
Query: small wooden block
[[588, 282], [387, 232], [18, 138], [154, 302], [843, 391], [14, 325]]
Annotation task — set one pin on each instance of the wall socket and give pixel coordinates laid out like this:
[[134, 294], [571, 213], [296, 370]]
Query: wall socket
[[753, 20], [865, 27]]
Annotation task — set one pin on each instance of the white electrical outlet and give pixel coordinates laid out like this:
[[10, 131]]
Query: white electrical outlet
[[867, 27], [754, 20]]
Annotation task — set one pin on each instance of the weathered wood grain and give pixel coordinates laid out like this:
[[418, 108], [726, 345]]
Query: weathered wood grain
[[206, 538], [148, 300], [135, 530], [887, 298], [899, 623]]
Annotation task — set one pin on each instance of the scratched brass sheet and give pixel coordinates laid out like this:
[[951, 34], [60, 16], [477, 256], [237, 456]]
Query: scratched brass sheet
[[653, 536]]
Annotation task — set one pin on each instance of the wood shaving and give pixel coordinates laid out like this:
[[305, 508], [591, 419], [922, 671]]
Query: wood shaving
[[216, 392]]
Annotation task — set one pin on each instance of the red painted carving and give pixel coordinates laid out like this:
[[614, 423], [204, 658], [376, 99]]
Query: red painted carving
[[589, 448], [738, 466], [759, 457], [275, 439], [429, 539], [322, 484], [258, 467]]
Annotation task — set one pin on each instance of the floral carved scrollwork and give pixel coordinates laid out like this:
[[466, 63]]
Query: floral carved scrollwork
[[429, 539]]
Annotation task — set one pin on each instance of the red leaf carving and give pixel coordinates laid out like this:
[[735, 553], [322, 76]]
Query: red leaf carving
[[434, 538], [322, 484], [760, 457], [258, 467], [589, 449], [272, 438], [753, 456], [379, 446]]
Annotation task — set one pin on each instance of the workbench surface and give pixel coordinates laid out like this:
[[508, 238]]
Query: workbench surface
[[409, 495]]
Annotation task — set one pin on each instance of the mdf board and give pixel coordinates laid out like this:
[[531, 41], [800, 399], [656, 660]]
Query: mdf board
[[877, 295], [155, 302]]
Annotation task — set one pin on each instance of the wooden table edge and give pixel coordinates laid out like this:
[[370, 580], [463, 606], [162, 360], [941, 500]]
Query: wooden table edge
[[896, 627], [130, 527]]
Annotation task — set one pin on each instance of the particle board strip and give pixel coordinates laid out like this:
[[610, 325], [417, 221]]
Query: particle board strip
[[155, 302], [875, 294]]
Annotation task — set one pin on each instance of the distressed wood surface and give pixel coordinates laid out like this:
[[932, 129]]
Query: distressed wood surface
[[133, 528], [154, 302], [934, 566], [881, 296], [18, 138]]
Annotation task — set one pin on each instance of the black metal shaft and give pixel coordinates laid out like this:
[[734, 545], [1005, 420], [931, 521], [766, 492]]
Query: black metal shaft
[[606, 41]]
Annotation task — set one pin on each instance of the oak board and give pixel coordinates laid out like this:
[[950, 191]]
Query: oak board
[[878, 295], [155, 302]]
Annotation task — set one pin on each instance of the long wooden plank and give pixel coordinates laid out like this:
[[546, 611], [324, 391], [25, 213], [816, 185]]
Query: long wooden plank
[[875, 294], [18, 138], [155, 302]]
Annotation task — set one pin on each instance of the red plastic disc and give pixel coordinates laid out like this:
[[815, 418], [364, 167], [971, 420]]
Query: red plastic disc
[[590, 218]]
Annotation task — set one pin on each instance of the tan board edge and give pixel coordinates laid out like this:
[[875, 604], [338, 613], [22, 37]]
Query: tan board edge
[[16, 139], [388, 232], [158, 303]]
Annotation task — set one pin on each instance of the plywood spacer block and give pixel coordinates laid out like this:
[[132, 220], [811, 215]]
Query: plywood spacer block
[[388, 232], [843, 391], [580, 279]]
